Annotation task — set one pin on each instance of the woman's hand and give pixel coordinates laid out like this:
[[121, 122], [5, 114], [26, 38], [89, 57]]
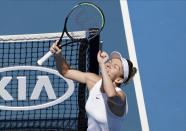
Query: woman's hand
[[102, 57], [55, 48]]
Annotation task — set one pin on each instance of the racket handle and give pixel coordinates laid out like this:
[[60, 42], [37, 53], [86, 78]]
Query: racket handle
[[44, 58]]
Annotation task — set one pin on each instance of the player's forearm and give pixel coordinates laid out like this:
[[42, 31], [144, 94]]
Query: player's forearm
[[107, 83], [61, 64]]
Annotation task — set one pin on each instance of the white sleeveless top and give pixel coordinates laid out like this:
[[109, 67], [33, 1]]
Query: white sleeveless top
[[100, 118]]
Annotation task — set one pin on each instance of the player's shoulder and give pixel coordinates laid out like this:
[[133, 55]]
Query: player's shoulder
[[91, 79]]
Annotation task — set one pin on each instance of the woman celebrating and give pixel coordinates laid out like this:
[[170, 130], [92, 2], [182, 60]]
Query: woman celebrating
[[107, 104]]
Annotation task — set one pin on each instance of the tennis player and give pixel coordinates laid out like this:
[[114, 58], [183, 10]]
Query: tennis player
[[107, 103]]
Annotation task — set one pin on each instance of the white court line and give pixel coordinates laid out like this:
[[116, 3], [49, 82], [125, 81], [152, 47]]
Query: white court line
[[133, 58]]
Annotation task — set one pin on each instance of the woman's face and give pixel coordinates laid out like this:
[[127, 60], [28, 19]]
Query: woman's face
[[114, 68]]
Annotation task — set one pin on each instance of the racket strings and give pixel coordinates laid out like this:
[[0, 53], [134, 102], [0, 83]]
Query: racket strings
[[83, 18]]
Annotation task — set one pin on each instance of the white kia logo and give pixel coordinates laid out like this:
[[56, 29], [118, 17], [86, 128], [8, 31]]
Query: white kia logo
[[43, 81]]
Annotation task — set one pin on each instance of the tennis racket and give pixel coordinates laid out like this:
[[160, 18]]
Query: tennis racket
[[82, 17]]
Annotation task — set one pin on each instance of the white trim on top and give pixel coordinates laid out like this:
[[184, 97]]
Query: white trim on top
[[40, 37], [133, 58]]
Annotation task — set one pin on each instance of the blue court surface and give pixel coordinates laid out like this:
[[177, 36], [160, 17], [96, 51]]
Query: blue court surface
[[149, 32]]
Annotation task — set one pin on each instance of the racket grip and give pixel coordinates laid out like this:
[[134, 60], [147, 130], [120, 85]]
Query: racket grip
[[44, 58]]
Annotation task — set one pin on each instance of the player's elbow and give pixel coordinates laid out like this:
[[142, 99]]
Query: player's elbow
[[65, 72]]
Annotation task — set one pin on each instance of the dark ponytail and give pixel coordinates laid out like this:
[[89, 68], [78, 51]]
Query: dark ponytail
[[132, 72]]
